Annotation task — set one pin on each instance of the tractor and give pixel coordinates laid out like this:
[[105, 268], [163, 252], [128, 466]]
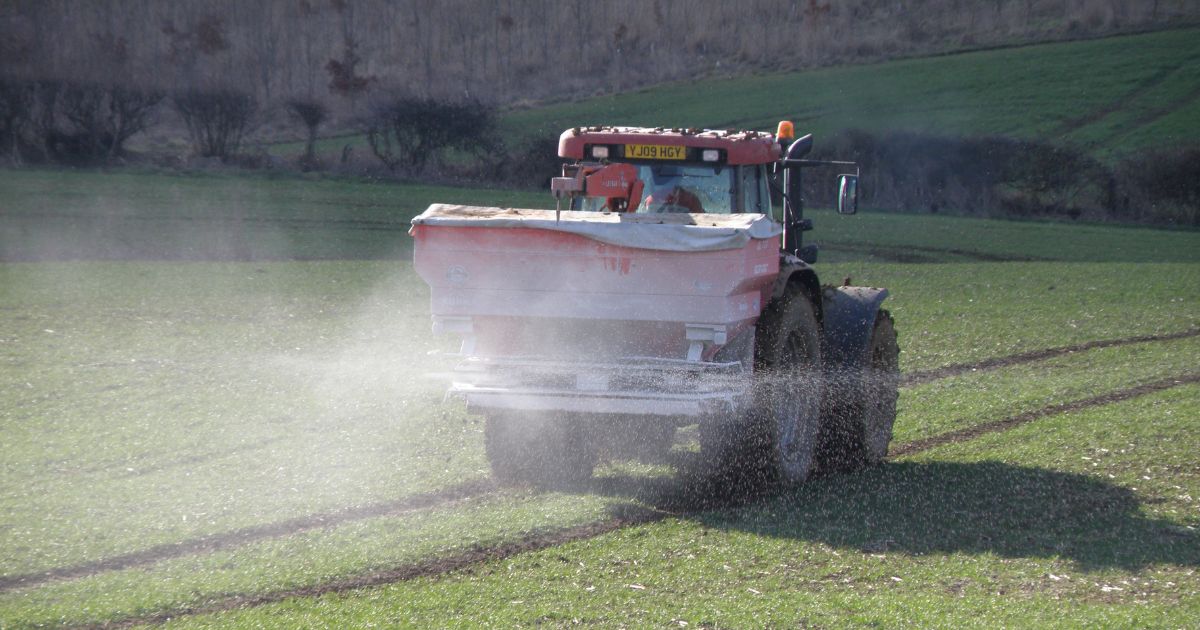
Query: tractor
[[670, 287]]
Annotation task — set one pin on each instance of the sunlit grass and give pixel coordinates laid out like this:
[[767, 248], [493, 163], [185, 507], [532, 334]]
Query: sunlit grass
[[959, 313], [162, 402], [1018, 529], [309, 558], [149, 404], [968, 400]]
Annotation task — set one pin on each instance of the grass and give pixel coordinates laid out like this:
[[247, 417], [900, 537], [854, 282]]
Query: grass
[[1017, 530], [962, 401], [959, 313], [92, 215], [54, 215], [174, 401], [1111, 96], [150, 406], [1063, 91]]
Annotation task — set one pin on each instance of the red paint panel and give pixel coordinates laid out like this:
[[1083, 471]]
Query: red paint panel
[[741, 147]]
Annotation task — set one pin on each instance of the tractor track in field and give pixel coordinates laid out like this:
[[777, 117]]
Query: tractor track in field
[[667, 505], [297, 222], [481, 487], [925, 376], [925, 254], [534, 541], [539, 540], [478, 489], [997, 426], [1122, 101], [217, 542]]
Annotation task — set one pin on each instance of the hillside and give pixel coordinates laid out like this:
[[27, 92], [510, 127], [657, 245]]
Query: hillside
[[1110, 95], [504, 52], [1110, 121]]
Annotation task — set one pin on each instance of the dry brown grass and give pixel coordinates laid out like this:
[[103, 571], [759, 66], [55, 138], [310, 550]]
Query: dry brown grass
[[508, 51]]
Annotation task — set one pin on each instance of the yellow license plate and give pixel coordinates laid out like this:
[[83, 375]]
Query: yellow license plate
[[654, 152]]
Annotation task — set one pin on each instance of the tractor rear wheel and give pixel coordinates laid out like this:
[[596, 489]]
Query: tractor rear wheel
[[777, 442], [863, 411], [880, 390], [538, 449]]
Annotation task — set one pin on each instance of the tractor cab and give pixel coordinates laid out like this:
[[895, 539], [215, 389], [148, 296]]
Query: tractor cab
[[692, 188], [648, 171], [695, 171]]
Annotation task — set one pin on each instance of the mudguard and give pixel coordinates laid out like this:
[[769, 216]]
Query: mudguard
[[849, 320]]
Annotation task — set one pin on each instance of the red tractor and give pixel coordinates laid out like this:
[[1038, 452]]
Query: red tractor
[[670, 288]]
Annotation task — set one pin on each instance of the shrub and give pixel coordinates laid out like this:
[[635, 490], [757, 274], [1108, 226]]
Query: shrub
[[216, 120], [410, 131], [101, 118], [312, 114], [16, 109], [1161, 186], [72, 122], [991, 175]]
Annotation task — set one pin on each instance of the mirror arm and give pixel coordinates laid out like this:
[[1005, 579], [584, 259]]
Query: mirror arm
[[809, 163]]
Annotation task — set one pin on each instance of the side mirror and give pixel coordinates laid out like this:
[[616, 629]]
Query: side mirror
[[847, 194], [800, 148]]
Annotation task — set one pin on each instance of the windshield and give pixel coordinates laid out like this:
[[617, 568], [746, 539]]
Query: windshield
[[679, 188]]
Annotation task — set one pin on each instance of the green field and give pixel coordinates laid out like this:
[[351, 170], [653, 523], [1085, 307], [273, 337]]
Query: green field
[[1110, 96], [247, 434], [93, 215]]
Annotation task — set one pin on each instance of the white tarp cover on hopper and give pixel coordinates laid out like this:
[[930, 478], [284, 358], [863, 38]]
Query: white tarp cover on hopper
[[670, 232]]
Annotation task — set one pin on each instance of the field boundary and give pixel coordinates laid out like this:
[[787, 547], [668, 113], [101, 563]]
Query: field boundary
[[539, 540]]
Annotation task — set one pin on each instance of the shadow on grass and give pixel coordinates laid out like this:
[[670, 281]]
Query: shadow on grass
[[940, 507]]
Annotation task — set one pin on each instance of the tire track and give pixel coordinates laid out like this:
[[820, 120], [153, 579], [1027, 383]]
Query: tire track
[[226, 540], [533, 541], [293, 222], [996, 426], [1121, 102], [539, 540], [923, 253], [1155, 115], [925, 376], [480, 488]]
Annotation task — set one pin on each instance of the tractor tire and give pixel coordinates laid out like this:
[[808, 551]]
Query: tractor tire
[[880, 390], [776, 443], [538, 449], [862, 414]]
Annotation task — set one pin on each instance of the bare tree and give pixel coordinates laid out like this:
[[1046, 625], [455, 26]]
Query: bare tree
[[216, 120], [130, 111], [16, 107], [312, 113], [409, 131], [103, 117], [82, 105]]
